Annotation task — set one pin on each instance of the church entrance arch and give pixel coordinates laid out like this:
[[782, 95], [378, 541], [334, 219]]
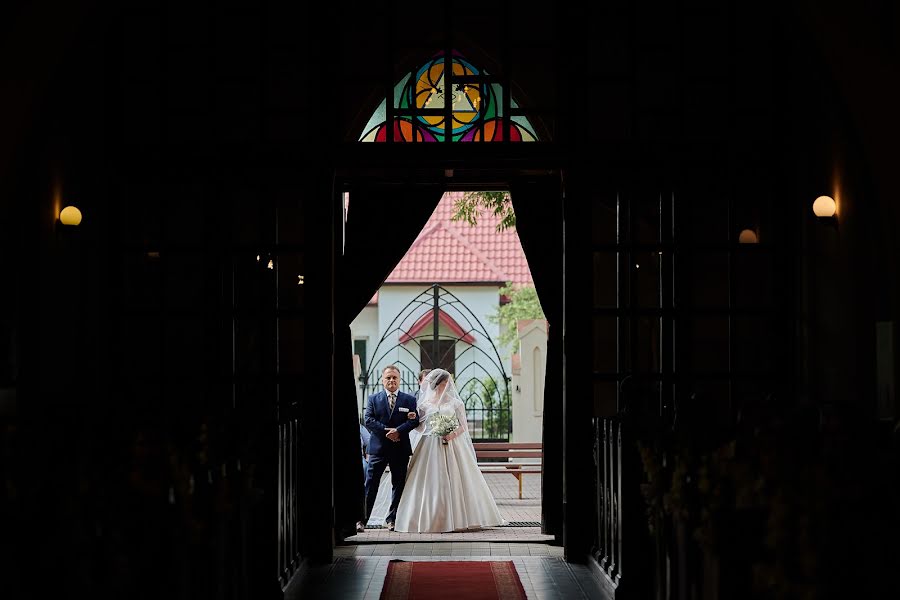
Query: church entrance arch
[[436, 329]]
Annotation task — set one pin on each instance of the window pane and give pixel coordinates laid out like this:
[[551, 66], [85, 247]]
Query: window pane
[[646, 352], [604, 220], [604, 341], [359, 348], [754, 278], [476, 107], [605, 398], [645, 215], [605, 279], [707, 338], [640, 350], [707, 280], [645, 269], [641, 395]]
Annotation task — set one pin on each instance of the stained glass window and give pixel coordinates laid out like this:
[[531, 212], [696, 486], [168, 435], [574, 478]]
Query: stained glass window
[[425, 99]]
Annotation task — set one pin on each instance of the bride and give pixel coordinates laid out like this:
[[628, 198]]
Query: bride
[[445, 491]]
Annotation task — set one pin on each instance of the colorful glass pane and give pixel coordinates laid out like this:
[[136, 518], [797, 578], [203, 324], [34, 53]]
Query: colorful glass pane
[[424, 98]]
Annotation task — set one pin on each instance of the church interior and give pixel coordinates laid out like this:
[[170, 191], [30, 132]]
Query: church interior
[[720, 411]]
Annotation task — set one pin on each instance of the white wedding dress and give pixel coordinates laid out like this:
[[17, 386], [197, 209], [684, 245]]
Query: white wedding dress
[[444, 489]]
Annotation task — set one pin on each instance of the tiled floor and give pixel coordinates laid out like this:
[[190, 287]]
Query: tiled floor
[[361, 564], [544, 577]]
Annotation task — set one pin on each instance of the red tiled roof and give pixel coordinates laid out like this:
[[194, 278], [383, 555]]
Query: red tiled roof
[[426, 320], [455, 252]]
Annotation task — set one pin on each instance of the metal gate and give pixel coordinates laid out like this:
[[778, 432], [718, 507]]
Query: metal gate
[[462, 346]]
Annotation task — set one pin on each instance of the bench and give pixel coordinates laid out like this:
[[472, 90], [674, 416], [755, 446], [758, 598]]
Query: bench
[[507, 458]]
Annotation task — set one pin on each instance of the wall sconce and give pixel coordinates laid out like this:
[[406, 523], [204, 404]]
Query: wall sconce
[[824, 207], [748, 236], [70, 216]]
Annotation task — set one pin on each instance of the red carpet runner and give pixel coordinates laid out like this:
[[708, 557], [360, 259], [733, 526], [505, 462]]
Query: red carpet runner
[[471, 580]]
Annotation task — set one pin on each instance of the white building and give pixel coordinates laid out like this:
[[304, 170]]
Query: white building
[[469, 264]]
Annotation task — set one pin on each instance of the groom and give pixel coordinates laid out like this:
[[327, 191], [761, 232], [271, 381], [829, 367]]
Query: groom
[[390, 415]]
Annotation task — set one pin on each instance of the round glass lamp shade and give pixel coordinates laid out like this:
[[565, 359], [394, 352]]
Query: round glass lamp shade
[[748, 236], [824, 206], [70, 215]]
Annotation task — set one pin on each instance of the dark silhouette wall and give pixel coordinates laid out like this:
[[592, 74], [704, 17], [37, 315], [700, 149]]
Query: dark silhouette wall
[[147, 356]]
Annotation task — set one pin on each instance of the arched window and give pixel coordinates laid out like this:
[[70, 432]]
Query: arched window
[[449, 89]]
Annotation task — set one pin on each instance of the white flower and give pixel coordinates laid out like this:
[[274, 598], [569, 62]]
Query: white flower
[[443, 424]]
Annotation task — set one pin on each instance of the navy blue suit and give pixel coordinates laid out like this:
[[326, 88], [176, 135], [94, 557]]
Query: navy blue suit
[[384, 452]]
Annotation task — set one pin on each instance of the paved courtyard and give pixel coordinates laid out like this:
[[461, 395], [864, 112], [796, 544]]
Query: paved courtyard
[[523, 515]]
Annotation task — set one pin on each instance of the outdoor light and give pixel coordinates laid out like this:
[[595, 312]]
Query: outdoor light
[[70, 215], [748, 236], [824, 207]]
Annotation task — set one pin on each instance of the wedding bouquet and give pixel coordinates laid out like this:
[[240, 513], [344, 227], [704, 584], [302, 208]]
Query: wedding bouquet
[[442, 425]]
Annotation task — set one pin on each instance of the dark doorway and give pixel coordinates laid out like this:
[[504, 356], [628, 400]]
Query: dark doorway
[[438, 354]]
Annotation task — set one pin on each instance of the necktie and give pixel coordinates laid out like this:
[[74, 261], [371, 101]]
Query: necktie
[[391, 400]]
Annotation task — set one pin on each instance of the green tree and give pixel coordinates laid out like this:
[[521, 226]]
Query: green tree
[[468, 207], [523, 304], [495, 407]]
